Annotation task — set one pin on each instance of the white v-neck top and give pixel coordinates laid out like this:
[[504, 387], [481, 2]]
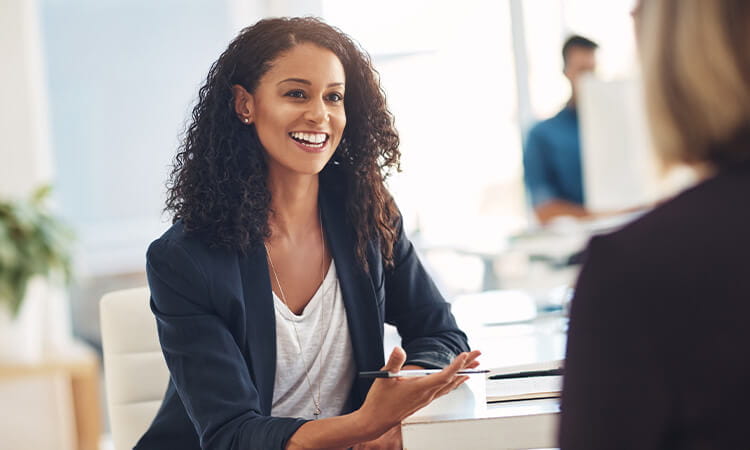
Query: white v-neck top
[[326, 353]]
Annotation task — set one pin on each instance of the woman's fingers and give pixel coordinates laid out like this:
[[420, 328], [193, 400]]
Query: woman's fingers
[[432, 384], [473, 365], [440, 383], [396, 360], [471, 359], [457, 381], [466, 360], [447, 380], [450, 371]]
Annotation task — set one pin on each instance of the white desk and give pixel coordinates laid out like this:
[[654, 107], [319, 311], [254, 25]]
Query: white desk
[[539, 340], [510, 425], [463, 419], [542, 339]]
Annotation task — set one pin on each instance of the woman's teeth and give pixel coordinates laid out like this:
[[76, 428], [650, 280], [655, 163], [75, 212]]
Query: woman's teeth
[[310, 139]]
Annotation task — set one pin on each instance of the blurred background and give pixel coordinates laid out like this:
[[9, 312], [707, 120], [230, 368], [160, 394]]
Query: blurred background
[[94, 95]]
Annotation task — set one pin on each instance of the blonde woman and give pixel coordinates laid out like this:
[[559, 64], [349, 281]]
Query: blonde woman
[[656, 354]]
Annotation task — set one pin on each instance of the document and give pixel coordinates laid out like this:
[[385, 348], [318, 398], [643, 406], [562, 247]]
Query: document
[[524, 388]]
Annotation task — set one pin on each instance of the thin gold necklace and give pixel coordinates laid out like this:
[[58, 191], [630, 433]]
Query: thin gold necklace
[[316, 401]]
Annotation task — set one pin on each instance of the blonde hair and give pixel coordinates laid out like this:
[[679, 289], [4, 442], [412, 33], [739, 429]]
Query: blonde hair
[[696, 65]]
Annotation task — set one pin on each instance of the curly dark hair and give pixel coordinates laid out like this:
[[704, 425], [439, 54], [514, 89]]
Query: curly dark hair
[[217, 185]]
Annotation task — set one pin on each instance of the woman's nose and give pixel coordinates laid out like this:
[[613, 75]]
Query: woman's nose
[[317, 112]]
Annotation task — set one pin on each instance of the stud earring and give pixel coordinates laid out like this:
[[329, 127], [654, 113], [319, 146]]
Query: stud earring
[[247, 120]]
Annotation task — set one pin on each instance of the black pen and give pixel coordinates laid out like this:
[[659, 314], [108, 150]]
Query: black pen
[[527, 374], [414, 373]]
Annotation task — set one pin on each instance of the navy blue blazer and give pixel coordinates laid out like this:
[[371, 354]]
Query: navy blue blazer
[[214, 312]]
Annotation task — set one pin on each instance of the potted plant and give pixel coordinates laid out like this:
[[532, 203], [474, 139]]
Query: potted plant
[[35, 253]]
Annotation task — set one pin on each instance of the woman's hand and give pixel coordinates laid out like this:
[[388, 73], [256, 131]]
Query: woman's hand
[[391, 439], [391, 400], [377, 424]]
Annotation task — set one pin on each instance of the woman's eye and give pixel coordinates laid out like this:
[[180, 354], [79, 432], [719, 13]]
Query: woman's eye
[[335, 97], [296, 94]]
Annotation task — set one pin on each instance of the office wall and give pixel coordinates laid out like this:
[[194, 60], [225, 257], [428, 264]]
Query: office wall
[[24, 147], [122, 76]]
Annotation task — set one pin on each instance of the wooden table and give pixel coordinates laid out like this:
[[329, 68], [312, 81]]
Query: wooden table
[[61, 392]]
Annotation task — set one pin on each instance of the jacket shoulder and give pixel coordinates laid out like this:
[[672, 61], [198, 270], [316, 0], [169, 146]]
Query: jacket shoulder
[[177, 243], [702, 224]]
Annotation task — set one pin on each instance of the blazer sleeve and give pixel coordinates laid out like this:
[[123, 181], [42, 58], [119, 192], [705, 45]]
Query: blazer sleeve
[[615, 387], [413, 304], [204, 360]]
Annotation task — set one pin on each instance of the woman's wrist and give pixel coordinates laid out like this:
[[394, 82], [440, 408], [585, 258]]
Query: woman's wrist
[[336, 432], [367, 424]]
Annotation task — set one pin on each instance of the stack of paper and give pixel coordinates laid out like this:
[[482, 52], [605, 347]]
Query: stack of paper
[[524, 388]]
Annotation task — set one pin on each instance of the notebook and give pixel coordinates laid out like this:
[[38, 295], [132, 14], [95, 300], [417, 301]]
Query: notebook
[[524, 388]]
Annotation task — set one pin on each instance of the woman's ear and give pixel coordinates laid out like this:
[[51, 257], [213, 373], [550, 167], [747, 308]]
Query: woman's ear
[[243, 104]]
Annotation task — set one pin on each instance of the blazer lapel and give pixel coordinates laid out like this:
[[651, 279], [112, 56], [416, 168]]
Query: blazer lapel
[[260, 323], [363, 315], [365, 325]]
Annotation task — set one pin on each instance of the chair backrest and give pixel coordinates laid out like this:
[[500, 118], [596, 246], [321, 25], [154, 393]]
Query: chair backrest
[[135, 373]]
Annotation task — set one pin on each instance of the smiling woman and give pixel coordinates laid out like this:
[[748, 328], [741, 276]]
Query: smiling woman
[[298, 104], [287, 255], [219, 185]]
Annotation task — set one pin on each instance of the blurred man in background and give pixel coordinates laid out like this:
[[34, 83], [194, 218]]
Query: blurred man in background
[[552, 152]]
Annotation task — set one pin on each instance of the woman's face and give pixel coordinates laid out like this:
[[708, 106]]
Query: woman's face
[[298, 109]]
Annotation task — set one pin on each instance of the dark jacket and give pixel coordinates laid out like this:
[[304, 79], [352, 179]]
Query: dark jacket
[[215, 317], [657, 354]]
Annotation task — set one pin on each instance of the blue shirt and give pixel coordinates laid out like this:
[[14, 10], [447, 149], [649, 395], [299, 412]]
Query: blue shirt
[[552, 159]]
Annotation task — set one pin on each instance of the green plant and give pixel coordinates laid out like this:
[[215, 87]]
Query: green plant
[[32, 242]]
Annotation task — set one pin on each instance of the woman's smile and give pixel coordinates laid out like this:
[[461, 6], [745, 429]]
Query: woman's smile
[[310, 141]]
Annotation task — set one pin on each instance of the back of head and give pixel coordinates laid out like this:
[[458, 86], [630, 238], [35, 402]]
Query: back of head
[[696, 64]]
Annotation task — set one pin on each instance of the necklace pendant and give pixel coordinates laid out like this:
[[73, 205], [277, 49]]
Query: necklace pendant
[[316, 413]]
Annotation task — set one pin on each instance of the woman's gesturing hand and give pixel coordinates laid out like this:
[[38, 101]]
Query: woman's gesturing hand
[[391, 400]]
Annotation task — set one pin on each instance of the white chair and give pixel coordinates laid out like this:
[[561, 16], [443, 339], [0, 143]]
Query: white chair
[[135, 373]]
